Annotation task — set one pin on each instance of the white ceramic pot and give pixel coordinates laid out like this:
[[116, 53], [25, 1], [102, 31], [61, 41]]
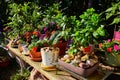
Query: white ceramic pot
[[49, 55]]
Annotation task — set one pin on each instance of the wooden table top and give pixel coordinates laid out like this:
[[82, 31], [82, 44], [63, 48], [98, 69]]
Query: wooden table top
[[51, 75]]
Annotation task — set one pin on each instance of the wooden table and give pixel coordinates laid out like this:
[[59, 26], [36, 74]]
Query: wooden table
[[51, 75]]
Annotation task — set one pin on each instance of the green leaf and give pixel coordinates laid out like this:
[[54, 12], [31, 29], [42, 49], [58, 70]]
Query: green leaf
[[87, 34], [94, 17], [101, 31], [83, 40], [108, 15], [95, 34], [109, 9], [83, 30], [116, 20]]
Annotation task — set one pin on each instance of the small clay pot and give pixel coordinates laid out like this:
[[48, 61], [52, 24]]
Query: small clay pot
[[35, 54]]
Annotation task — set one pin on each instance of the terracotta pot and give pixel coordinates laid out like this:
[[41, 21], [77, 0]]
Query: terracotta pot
[[35, 59], [35, 54], [62, 46], [80, 71]]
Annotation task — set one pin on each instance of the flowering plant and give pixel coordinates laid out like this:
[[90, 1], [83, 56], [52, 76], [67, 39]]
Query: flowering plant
[[110, 46]]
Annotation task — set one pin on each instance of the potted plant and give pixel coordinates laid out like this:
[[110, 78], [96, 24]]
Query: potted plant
[[91, 30], [53, 28], [80, 57], [111, 49], [23, 18], [112, 16], [34, 49]]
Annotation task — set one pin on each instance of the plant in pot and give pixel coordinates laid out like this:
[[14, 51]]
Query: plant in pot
[[53, 28], [23, 18], [111, 49], [16, 21], [92, 31], [113, 17], [34, 49], [85, 32]]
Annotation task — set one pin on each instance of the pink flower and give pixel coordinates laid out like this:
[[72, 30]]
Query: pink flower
[[116, 47], [108, 40]]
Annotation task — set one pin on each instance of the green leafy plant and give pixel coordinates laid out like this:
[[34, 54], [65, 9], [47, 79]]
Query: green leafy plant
[[15, 19], [72, 25], [23, 17], [113, 14], [19, 76], [91, 28], [39, 44], [88, 30], [46, 41], [109, 46], [69, 25], [51, 14]]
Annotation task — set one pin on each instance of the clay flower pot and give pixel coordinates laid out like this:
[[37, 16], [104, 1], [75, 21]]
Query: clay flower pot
[[35, 54], [62, 46]]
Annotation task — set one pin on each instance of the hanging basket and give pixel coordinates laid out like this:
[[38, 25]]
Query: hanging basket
[[112, 59]]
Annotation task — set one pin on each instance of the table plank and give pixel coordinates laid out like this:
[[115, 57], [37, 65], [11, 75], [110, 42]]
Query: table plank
[[51, 75]]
